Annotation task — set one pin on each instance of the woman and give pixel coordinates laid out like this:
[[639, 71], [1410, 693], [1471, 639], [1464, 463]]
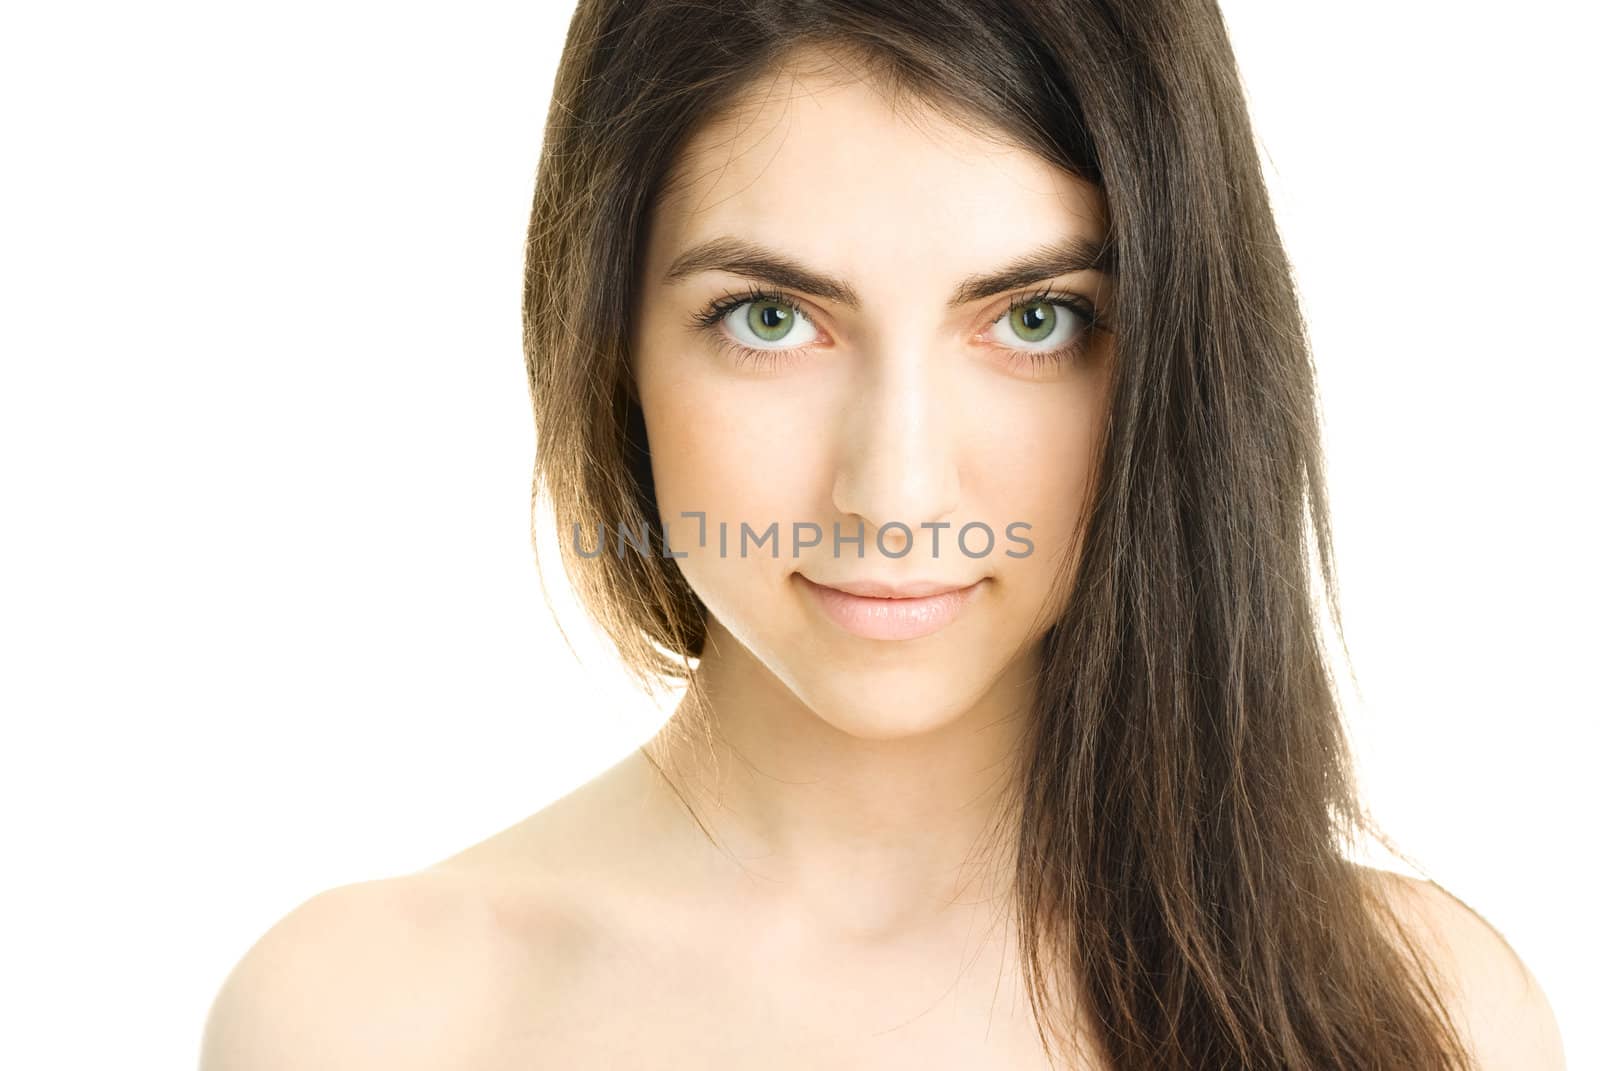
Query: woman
[[924, 383]]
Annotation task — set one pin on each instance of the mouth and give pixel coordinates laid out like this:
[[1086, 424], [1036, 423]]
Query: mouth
[[900, 612]]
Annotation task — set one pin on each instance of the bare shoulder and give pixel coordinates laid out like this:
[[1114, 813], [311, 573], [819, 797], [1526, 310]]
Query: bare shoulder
[[1495, 1000], [462, 964], [403, 972]]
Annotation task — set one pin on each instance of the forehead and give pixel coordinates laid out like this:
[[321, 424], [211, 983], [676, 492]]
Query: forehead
[[823, 165]]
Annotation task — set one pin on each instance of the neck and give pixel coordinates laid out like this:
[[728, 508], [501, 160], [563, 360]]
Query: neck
[[863, 837]]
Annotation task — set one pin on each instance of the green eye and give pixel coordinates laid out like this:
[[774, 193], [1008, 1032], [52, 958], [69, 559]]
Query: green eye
[[769, 320], [757, 326], [1033, 322]]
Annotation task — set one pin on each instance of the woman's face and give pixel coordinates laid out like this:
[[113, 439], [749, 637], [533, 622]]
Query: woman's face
[[888, 392]]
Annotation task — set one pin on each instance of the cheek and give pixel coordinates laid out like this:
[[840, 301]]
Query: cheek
[[738, 458], [1039, 472], [711, 453], [715, 457]]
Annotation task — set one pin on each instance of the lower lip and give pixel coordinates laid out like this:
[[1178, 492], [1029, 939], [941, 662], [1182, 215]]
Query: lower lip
[[889, 619]]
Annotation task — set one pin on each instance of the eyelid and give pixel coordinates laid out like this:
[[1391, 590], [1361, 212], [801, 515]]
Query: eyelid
[[718, 309], [1078, 304], [804, 308]]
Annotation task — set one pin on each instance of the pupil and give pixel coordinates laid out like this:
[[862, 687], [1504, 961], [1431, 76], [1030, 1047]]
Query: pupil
[[1032, 317], [771, 316]]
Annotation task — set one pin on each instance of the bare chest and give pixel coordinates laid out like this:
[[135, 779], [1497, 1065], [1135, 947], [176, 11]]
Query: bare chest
[[709, 1008]]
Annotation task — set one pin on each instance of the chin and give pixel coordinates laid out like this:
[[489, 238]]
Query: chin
[[891, 703]]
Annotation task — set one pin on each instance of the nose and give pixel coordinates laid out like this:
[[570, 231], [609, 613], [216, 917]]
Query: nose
[[899, 449]]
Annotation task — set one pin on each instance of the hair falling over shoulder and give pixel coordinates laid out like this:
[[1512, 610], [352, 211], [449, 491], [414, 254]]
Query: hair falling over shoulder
[[1187, 800]]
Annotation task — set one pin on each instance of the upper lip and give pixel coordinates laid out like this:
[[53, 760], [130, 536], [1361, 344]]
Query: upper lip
[[904, 589]]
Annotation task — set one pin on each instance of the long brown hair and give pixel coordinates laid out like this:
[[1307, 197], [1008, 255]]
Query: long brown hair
[[1186, 798]]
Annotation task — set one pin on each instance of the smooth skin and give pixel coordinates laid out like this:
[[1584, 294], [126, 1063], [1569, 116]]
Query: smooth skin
[[859, 917]]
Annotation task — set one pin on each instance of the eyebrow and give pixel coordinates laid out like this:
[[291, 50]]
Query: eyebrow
[[755, 261]]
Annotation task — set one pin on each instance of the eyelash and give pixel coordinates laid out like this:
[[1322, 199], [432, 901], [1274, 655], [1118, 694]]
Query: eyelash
[[708, 319]]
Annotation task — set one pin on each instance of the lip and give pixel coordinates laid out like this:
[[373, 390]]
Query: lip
[[910, 610], [882, 589]]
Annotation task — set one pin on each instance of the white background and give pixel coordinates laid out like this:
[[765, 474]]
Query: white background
[[270, 619]]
